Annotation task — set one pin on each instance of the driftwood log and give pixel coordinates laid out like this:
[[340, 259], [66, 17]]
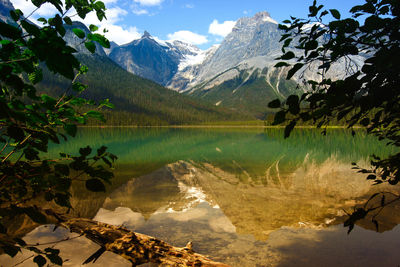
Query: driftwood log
[[135, 247]]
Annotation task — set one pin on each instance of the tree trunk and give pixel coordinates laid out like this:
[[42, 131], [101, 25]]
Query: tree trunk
[[135, 247]]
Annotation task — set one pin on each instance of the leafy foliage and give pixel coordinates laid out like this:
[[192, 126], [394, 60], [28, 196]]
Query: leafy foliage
[[29, 121], [370, 93]]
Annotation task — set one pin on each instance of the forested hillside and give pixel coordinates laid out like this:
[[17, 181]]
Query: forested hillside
[[138, 101]]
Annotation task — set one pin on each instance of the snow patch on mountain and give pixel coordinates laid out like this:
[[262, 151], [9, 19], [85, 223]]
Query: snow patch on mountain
[[269, 19], [190, 60]]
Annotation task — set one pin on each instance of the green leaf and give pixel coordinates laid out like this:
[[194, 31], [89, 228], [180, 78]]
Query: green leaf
[[79, 87], [311, 45], [9, 31], [11, 250], [78, 101], [35, 215], [85, 151], [106, 103], [78, 32], [93, 28], [90, 46], [293, 70], [40, 260], [364, 122], [281, 64], [95, 185], [101, 151], [55, 259], [16, 133], [274, 103], [83, 69], [62, 169], [67, 20], [36, 76], [100, 39], [289, 128], [48, 100], [30, 28], [42, 20], [96, 115], [62, 199], [335, 13], [288, 55], [279, 118], [31, 154], [106, 161], [292, 100], [71, 129], [16, 14]]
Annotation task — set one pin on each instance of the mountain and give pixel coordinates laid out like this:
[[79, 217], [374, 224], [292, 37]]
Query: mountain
[[112, 46], [239, 74], [157, 61], [138, 101], [189, 68], [5, 7], [250, 38]]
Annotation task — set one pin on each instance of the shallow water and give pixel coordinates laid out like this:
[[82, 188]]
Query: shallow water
[[243, 197]]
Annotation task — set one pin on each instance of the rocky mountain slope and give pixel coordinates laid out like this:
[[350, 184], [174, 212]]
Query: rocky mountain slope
[[237, 74], [251, 37], [5, 7], [240, 73], [155, 60]]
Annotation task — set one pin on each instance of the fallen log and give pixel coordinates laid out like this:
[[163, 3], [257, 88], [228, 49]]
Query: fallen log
[[135, 247]]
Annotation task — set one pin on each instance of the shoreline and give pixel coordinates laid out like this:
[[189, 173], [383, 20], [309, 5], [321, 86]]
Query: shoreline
[[213, 126]]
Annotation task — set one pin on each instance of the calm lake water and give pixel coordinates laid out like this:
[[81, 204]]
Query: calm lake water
[[246, 197]]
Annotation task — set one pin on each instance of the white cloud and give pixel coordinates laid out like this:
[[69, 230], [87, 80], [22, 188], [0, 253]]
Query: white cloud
[[107, 2], [114, 14], [121, 35], [149, 2], [189, 6], [221, 29], [27, 8], [116, 33], [138, 11], [188, 37]]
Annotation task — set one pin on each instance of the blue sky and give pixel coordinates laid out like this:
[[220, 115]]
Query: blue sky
[[200, 22]]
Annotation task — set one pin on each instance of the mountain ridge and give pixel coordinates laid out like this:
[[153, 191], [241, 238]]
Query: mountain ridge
[[141, 101]]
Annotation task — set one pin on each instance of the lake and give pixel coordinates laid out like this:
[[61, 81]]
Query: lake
[[243, 196]]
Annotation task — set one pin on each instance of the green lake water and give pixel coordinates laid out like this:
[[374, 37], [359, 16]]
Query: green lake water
[[246, 197]]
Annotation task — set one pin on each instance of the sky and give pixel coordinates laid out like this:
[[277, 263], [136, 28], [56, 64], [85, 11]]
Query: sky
[[199, 22]]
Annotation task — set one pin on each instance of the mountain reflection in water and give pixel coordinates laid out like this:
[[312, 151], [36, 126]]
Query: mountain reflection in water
[[273, 208]]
